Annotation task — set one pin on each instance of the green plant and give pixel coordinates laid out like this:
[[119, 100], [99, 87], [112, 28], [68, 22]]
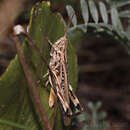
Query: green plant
[[16, 101], [95, 119], [13, 125], [16, 104], [115, 29]]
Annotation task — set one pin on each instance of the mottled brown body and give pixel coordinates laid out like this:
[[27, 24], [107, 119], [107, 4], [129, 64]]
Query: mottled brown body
[[58, 77]]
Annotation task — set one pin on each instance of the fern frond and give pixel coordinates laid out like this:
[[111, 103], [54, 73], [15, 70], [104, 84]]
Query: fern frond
[[93, 11], [71, 13], [90, 9], [103, 12], [84, 9], [95, 119]]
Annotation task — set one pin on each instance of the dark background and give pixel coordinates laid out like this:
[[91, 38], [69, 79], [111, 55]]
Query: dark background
[[104, 67]]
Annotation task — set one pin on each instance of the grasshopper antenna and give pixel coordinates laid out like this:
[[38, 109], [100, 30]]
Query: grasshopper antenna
[[69, 23]]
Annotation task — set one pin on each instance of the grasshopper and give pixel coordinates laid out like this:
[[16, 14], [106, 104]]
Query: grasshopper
[[58, 76], [59, 79]]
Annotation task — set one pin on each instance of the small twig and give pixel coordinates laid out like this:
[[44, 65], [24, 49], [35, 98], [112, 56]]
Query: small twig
[[32, 44], [32, 85]]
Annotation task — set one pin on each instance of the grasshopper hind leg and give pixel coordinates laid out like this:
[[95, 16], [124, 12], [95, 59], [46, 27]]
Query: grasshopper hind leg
[[74, 99]]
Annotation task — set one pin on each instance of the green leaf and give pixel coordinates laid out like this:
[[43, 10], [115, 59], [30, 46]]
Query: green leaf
[[90, 105], [115, 19], [98, 105], [71, 13], [103, 12], [124, 14], [102, 115], [83, 117], [16, 104], [119, 4], [93, 11], [84, 9], [4, 122]]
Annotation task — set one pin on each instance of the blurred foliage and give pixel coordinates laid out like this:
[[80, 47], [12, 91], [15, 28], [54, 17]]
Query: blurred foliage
[[101, 22], [94, 120], [13, 124], [16, 104], [97, 18], [118, 3]]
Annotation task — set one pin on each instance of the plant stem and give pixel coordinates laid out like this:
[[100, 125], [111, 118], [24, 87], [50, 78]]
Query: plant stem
[[32, 85]]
